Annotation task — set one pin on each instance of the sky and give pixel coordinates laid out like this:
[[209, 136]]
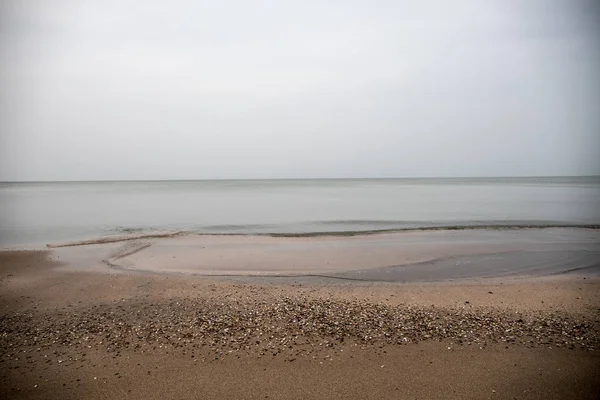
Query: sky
[[123, 89]]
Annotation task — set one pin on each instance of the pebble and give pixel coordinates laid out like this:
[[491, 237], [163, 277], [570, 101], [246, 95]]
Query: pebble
[[276, 325]]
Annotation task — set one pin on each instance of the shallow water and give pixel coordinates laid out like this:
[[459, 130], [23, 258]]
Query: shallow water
[[41, 213], [396, 257]]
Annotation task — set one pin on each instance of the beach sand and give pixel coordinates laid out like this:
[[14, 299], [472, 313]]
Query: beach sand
[[70, 332]]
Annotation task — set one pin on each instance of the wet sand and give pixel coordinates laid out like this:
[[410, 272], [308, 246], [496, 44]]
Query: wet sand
[[74, 326], [425, 256]]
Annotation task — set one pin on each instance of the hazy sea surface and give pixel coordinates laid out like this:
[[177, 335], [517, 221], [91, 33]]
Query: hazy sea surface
[[46, 212]]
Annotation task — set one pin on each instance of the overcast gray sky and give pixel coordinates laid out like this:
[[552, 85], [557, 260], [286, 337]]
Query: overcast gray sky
[[124, 89]]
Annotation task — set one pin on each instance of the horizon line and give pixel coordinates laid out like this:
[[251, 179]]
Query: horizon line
[[304, 179]]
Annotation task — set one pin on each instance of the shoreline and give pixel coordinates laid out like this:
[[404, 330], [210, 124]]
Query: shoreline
[[317, 234], [73, 333], [132, 235], [416, 256]]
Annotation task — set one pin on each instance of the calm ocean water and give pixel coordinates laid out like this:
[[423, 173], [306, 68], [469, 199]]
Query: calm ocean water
[[40, 213]]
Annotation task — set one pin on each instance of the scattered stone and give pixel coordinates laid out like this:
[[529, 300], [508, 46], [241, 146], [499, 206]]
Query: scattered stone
[[273, 326]]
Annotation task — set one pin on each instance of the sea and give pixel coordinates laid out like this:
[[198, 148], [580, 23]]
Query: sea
[[42, 213]]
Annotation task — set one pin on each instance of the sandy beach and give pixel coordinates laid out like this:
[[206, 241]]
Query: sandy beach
[[299, 200], [104, 332]]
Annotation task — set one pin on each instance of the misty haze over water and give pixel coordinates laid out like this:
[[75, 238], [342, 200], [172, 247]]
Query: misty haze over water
[[40, 213]]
